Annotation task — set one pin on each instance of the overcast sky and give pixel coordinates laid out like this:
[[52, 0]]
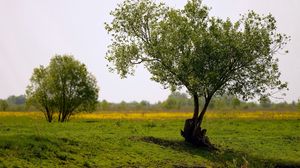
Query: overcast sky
[[32, 31]]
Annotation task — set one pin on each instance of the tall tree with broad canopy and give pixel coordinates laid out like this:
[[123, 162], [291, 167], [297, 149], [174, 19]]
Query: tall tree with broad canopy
[[65, 86], [188, 48]]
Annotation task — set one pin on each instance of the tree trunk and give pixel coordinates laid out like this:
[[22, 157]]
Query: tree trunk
[[48, 114], [63, 118], [59, 116], [193, 133], [200, 119], [196, 106]]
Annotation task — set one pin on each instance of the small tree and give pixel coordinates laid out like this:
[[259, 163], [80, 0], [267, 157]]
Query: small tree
[[176, 101], [64, 86], [188, 48], [265, 102], [104, 105], [3, 105], [298, 105], [236, 102]]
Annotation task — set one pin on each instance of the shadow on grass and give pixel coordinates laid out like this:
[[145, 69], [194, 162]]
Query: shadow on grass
[[222, 157], [32, 147]]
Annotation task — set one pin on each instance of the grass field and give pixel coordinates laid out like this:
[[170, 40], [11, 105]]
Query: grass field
[[126, 140]]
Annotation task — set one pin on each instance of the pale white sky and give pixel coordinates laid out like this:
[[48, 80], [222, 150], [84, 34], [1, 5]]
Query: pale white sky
[[32, 31]]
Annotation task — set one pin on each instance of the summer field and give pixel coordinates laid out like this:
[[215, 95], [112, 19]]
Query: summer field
[[249, 139]]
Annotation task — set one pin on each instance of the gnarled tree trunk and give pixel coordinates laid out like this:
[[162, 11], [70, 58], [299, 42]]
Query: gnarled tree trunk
[[193, 132]]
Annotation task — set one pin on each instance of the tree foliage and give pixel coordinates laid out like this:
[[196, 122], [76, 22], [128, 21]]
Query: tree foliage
[[3, 105], [177, 101], [188, 48], [298, 105], [265, 101], [65, 86], [17, 100]]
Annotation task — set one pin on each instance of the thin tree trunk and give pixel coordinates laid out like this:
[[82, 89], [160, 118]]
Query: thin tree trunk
[[196, 107], [64, 116], [48, 115], [197, 128], [59, 116], [200, 119], [190, 124]]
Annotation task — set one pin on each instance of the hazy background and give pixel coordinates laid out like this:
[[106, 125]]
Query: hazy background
[[32, 31]]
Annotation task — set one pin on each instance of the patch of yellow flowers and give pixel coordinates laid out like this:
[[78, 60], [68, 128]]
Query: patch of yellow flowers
[[169, 115], [21, 114]]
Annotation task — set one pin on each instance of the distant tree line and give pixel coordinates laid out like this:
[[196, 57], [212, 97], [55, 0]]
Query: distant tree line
[[176, 101], [14, 103]]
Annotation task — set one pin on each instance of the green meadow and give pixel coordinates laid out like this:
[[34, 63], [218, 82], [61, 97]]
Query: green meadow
[[32, 142]]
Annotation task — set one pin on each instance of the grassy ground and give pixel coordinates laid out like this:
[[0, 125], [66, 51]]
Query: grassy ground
[[27, 141]]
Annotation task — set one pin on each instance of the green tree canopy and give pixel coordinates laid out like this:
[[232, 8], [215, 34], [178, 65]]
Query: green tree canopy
[[265, 101], [65, 86], [177, 100], [3, 105], [17, 100], [188, 48]]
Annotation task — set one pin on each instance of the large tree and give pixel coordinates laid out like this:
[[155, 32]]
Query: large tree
[[65, 86], [188, 48]]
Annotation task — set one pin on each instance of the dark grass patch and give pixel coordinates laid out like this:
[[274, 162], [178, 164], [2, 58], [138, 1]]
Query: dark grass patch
[[186, 166], [228, 157], [70, 141], [62, 156], [6, 145], [180, 145], [287, 166], [291, 138], [150, 125], [91, 121]]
